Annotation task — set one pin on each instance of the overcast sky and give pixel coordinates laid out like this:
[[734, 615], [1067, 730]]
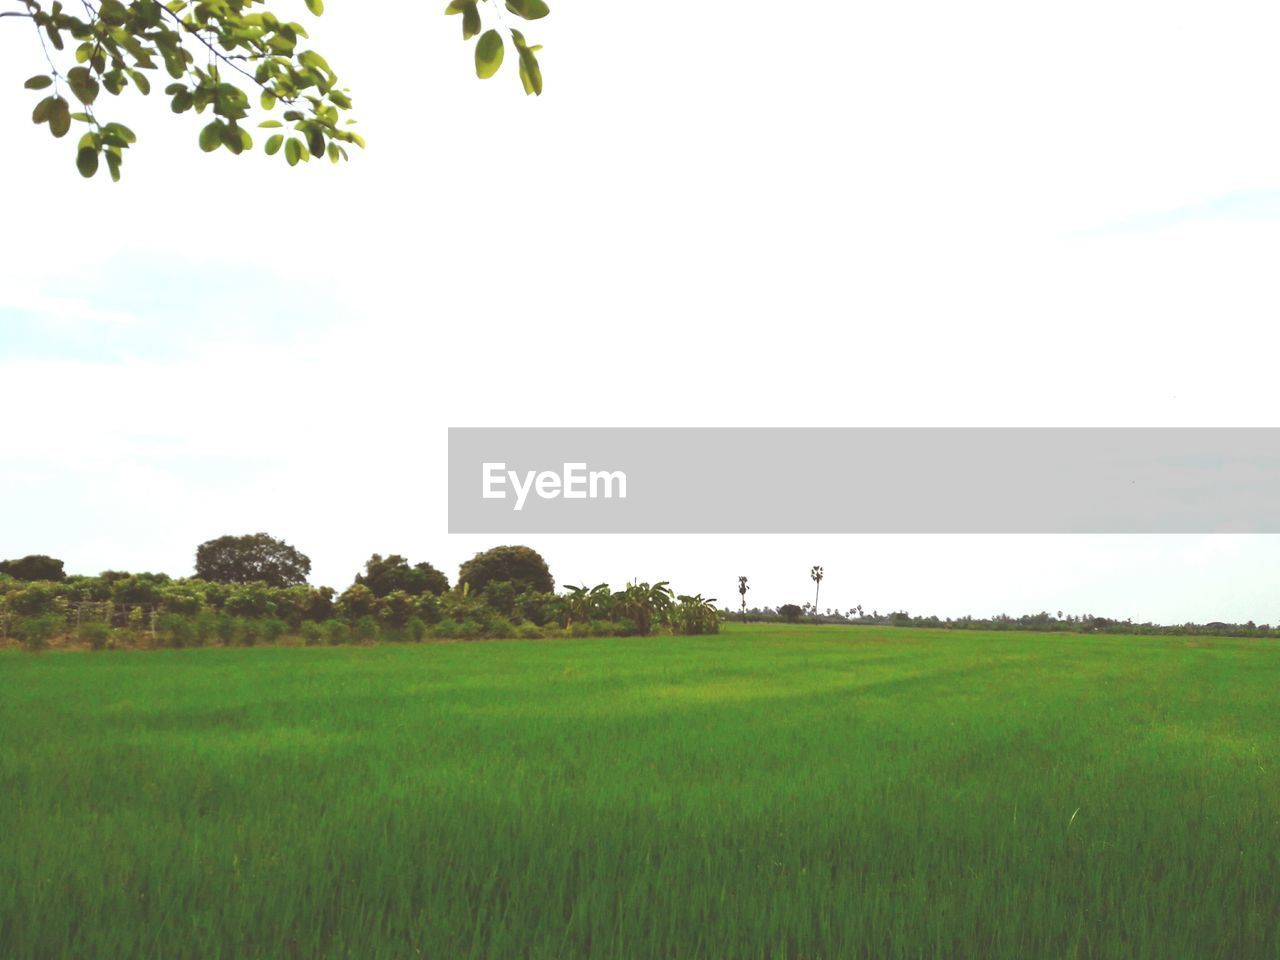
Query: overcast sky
[[839, 214]]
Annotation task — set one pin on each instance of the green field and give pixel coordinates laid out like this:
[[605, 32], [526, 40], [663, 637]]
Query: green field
[[769, 792]]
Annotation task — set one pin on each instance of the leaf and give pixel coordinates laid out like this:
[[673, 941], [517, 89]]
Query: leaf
[[470, 21], [38, 82], [315, 140], [211, 137], [528, 9], [530, 72], [83, 84], [59, 117], [316, 6], [489, 53], [43, 110], [273, 144], [293, 151], [87, 162]]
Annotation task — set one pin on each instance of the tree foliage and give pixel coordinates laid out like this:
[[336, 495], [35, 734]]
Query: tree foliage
[[222, 57], [523, 567], [34, 566], [252, 558], [385, 576]]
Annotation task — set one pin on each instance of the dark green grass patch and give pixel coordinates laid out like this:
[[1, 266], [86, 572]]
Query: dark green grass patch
[[772, 792]]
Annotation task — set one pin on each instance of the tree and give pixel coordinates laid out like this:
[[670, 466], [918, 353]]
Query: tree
[[790, 612], [742, 591], [35, 566], [222, 57], [251, 558], [816, 576], [394, 573], [522, 566]]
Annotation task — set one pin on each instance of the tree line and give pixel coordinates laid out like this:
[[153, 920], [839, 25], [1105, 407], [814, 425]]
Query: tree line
[[253, 588]]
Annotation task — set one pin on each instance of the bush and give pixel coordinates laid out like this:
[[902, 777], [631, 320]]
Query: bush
[[36, 632], [225, 627], [336, 632], [273, 629], [312, 633], [95, 634], [365, 630], [500, 628], [529, 631], [175, 630], [249, 631], [417, 629], [204, 626]]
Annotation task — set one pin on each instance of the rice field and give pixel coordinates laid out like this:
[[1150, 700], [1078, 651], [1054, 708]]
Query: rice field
[[772, 792]]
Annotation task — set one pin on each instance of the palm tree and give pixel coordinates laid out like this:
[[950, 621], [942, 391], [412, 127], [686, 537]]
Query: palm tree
[[742, 590], [816, 576]]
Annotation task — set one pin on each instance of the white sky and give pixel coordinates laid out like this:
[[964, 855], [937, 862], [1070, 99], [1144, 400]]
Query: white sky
[[840, 214]]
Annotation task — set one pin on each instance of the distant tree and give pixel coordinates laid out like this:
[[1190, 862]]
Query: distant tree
[[35, 566], [523, 567], [394, 573], [790, 612], [816, 576], [742, 591], [251, 558]]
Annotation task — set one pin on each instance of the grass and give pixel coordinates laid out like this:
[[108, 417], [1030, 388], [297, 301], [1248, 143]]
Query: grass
[[772, 792]]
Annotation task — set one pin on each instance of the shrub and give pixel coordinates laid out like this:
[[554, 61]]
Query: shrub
[[175, 629], [312, 633], [336, 632], [529, 631], [470, 630], [225, 627], [95, 634], [499, 628], [365, 630], [36, 632], [249, 631], [417, 629], [273, 629], [204, 626]]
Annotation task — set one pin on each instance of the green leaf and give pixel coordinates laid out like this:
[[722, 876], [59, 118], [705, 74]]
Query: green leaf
[[59, 117], [273, 144], [43, 110], [268, 99], [270, 123], [528, 9], [315, 140], [293, 151], [470, 21], [316, 6], [140, 81], [530, 72], [87, 161], [489, 53], [83, 84], [211, 136], [38, 82]]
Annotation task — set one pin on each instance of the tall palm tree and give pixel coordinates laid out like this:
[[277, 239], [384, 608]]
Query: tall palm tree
[[816, 576], [742, 590]]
